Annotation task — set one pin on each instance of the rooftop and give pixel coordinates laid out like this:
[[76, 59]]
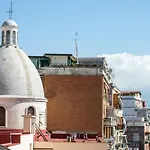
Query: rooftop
[[63, 138], [131, 92], [92, 60], [54, 54]]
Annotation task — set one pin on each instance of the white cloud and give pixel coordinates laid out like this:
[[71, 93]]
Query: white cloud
[[131, 72]]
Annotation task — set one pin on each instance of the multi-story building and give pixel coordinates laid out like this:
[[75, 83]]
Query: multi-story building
[[115, 117], [76, 94], [80, 100], [138, 120]]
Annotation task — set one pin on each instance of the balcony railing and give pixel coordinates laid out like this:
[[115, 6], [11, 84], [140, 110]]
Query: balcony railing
[[109, 122], [112, 112]]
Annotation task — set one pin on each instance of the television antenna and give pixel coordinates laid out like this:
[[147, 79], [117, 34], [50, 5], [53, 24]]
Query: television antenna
[[76, 44]]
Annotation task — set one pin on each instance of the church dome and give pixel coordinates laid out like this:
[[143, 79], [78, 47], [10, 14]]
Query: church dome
[[18, 75], [9, 23]]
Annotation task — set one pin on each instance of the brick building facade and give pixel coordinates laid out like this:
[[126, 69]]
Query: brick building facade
[[75, 103], [82, 100]]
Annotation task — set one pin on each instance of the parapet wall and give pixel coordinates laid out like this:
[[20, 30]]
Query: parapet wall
[[71, 71]]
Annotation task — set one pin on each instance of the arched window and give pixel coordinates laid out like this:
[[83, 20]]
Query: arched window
[[30, 111], [8, 37], [14, 37], [2, 116], [2, 37]]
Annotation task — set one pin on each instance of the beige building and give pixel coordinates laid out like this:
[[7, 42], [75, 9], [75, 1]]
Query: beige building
[[114, 120]]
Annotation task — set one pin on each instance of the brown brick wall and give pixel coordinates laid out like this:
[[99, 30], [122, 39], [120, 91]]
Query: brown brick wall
[[74, 103]]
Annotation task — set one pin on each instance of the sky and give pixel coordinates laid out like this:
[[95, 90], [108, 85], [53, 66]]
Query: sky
[[120, 30], [131, 72]]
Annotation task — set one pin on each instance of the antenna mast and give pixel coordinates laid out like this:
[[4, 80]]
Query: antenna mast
[[76, 44]]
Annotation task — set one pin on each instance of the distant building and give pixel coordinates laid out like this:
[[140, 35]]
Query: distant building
[[132, 102], [40, 61], [138, 120], [53, 60]]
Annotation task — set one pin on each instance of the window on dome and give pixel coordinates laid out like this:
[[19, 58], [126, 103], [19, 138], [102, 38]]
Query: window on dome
[[31, 111], [2, 116], [8, 37], [14, 37], [2, 37]]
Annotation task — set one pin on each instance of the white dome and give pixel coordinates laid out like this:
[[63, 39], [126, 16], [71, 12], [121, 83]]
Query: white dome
[[10, 23], [18, 75]]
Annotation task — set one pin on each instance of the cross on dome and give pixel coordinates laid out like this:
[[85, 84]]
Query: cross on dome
[[10, 11], [9, 29]]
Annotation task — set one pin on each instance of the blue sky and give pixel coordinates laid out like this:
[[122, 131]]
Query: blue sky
[[118, 29], [103, 26]]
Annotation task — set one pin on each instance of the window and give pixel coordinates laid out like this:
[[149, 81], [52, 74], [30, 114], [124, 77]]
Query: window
[[14, 37], [2, 37], [2, 116], [136, 137], [8, 37], [30, 111]]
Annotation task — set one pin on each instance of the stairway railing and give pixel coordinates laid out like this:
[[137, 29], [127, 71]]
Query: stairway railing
[[40, 133], [45, 129]]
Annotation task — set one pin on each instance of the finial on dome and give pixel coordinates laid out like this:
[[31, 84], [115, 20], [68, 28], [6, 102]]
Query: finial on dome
[[10, 11]]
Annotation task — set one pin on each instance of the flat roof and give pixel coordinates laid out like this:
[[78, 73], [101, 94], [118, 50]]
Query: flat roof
[[92, 60], [37, 56], [54, 54], [131, 92]]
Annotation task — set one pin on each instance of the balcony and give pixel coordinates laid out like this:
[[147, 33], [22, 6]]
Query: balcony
[[118, 112], [147, 129], [112, 112], [110, 122], [109, 112], [119, 127]]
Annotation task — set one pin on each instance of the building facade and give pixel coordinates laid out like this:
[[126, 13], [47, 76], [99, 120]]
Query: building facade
[[80, 100], [115, 120], [138, 122]]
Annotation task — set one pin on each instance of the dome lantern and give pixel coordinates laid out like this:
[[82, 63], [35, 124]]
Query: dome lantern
[[9, 33]]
